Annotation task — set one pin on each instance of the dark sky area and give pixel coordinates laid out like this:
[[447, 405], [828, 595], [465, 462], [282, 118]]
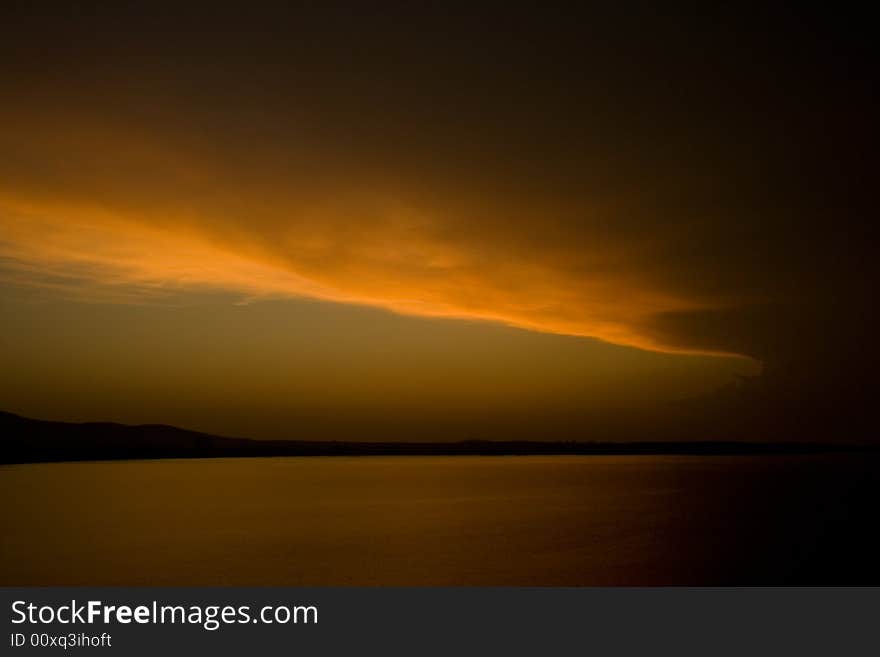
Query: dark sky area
[[427, 220]]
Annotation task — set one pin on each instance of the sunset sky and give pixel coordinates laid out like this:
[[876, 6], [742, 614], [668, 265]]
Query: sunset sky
[[316, 221]]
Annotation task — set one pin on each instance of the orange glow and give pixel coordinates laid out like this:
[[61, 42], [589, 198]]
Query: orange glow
[[97, 254], [114, 213]]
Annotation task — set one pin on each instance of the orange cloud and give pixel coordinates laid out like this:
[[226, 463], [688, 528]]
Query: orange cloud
[[91, 211], [102, 254]]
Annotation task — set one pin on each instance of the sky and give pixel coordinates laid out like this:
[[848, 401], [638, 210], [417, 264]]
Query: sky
[[313, 220]]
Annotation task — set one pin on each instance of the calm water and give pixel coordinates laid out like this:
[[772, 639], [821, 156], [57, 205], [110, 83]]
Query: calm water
[[441, 521]]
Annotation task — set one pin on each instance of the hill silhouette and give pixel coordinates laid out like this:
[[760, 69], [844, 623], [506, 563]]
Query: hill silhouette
[[27, 440]]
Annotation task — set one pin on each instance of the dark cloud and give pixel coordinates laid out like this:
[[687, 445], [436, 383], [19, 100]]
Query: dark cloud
[[671, 181]]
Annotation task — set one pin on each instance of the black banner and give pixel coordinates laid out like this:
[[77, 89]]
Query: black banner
[[453, 621]]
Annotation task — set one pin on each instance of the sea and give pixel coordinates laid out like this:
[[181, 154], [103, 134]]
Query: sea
[[443, 521]]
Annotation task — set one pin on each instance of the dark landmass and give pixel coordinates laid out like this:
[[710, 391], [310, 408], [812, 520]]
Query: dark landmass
[[27, 440]]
